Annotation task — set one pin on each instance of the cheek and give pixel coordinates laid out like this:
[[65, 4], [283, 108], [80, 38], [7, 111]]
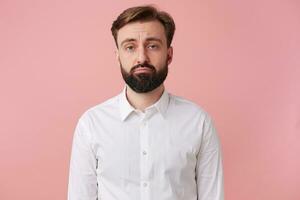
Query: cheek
[[159, 60], [126, 57], [126, 62]]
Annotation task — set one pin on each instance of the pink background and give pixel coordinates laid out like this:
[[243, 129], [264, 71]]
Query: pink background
[[238, 59]]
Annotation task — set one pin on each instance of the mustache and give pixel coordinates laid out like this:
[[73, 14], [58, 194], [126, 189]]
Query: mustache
[[147, 65]]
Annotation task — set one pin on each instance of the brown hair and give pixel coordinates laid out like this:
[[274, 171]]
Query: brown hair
[[144, 13]]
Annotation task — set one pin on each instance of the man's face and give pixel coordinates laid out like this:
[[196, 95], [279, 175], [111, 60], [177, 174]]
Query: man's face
[[143, 55]]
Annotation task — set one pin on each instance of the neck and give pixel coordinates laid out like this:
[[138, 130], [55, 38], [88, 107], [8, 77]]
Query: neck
[[141, 101]]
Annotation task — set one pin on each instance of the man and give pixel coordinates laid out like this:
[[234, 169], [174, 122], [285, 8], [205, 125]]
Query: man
[[145, 143]]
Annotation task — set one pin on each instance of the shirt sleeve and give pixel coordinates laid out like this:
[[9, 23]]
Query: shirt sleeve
[[209, 172], [82, 174]]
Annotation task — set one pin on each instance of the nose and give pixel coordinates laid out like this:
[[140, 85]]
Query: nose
[[142, 56]]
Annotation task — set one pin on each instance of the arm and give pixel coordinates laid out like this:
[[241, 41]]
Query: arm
[[209, 172], [82, 174]]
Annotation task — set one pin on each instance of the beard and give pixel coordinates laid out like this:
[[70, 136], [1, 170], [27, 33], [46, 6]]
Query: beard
[[144, 82]]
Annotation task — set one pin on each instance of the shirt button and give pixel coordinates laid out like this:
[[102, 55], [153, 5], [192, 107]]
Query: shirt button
[[144, 153], [145, 184]]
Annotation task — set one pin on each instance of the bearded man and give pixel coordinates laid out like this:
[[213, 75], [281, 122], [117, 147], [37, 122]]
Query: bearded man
[[145, 143]]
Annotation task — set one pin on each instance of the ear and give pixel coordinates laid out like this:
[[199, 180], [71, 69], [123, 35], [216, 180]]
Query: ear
[[117, 55], [170, 54]]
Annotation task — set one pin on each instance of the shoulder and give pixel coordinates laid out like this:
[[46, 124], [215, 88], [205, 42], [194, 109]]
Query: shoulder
[[183, 109], [185, 105], [105, 108]]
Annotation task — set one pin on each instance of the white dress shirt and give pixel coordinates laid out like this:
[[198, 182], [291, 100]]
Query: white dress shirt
[[170, 151]]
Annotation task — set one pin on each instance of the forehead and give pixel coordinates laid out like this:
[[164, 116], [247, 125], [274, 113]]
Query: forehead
[[141, 31]]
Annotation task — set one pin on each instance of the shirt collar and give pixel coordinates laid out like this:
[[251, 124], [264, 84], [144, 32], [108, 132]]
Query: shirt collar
[[126, 109]]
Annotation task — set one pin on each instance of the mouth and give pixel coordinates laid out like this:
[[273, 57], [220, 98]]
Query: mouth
[[142, 70]]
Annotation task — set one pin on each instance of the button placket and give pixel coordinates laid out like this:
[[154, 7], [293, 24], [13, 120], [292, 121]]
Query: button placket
[[144, 159]]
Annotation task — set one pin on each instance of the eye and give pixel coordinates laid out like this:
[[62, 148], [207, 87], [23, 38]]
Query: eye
[[153, 46], [129, 48]]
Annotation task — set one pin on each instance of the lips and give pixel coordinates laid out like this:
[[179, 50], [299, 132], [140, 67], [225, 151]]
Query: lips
[[142, 70]]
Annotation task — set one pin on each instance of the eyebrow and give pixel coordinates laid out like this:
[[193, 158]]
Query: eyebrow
[[147, 39]]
